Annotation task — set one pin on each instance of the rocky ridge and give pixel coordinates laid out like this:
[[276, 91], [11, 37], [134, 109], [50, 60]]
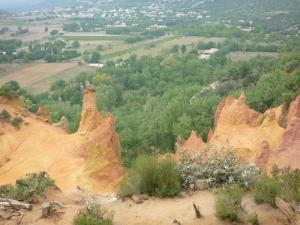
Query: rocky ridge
[[253, 136]]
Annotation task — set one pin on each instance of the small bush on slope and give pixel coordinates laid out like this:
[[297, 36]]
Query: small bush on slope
[[16, 122], [228, 203], [5, 116], [93, 215], [28, 188], [152, 176], [265, 189]]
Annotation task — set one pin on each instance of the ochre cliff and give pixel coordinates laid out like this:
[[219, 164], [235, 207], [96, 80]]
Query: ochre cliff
[[89, 159], [287, 153], [253, 136]]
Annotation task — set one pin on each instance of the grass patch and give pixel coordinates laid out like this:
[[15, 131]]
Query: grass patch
[[152, 176], [93, 215], [228, 203]]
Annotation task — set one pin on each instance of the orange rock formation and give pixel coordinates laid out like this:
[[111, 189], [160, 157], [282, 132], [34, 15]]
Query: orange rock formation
[[192, 144], [287, 153], [89, 158], [44, 115], [254, 136]]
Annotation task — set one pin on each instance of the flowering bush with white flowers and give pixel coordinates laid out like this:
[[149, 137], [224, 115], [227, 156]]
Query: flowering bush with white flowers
[[190, 168], [219, 169], [223, 168]]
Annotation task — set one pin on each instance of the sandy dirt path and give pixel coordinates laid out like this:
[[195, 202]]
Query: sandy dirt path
[[152, 212]]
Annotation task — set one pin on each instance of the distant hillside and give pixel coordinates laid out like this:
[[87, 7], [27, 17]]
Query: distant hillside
[[19, 5], [247, 7], [220, 7]]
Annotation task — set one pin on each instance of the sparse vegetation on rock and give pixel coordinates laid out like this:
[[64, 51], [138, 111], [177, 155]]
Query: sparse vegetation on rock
[[29, 188]]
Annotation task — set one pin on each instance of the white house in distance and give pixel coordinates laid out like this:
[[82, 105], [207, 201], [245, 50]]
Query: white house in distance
[[96, 65], [207, 53]]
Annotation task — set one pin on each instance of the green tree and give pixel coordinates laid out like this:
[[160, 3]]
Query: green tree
[[54, 32], [75, 44], [95, 58], [183, 126], [9, 89], [183, 49], [175, 49]]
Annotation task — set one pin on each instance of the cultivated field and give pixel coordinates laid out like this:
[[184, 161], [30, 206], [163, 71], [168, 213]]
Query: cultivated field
[[36, 32], [165, 46], [37, 77], [242, 56], [157, 46]]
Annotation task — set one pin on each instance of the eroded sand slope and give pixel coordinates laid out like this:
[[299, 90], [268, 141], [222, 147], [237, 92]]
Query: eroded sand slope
[[89, 158]]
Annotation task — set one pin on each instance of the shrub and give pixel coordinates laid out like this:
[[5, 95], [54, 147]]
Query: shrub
[[93, 215], [7, 191], [33, 185], [28, 188], [16, 122], [223, 168], [228, 203], [5, 116], [9, 89], [253, 219], [25, 102], [168, 182], [190, 169], [289, 183], [150, 175], [265, 189]]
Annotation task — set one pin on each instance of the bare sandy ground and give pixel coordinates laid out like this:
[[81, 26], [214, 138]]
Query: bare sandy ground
[[152, 212]]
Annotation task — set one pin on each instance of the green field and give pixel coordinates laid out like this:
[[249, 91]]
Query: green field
[[95, 38], [138, 47]]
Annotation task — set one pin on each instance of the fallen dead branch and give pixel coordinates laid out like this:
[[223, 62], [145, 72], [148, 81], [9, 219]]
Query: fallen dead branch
[[16, 205], [51, 208]]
